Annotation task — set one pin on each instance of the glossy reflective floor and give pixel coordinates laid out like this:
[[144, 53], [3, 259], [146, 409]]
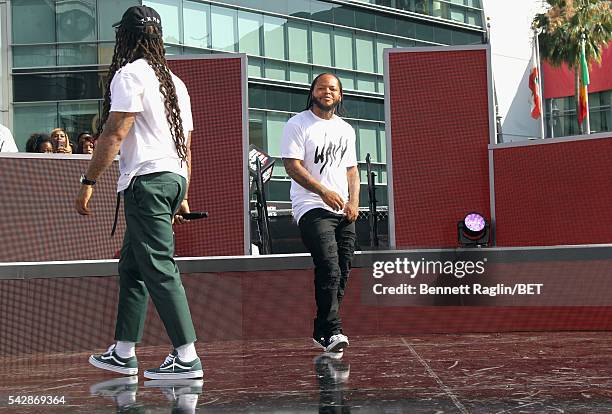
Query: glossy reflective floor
[[499, 373]]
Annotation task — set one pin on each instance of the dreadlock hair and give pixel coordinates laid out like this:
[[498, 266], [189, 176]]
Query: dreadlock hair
[[339, 109], [130, 46]]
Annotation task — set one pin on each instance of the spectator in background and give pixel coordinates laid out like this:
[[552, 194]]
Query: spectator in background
[[39, 142], [7, 143], [61, 141], [45, 146], [85, 143]]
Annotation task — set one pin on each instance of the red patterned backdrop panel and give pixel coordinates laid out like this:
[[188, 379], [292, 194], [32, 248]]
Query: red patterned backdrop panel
[[38, 220], [216, 88], [39, 223], [439, 119], [553, 194]]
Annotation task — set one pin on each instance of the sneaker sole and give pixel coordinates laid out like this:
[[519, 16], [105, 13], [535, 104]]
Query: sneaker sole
[[174, 375], [336, 346], [103, 365], [317, 344]]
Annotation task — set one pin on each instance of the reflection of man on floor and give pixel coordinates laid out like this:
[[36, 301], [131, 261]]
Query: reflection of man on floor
[[332, 375], [122, 391], [318, 150]]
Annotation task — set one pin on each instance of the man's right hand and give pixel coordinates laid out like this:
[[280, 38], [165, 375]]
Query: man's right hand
[[332, 199]]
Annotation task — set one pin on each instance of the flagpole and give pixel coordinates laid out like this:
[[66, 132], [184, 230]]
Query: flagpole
[[542, 112]]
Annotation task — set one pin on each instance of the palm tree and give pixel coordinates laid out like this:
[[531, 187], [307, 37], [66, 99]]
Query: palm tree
[[563, 27]]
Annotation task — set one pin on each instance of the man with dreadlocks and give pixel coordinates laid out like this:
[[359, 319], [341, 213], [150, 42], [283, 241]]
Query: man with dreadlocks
[[146, 115], [318, 150]]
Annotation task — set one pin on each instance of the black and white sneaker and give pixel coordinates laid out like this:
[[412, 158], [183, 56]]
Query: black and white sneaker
[[174, 368], [110, 361], [337, 343], [320, 343]]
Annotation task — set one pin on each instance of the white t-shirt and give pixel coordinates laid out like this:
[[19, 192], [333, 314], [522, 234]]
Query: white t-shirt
[[327, 148], [7, 143], [149, 146]]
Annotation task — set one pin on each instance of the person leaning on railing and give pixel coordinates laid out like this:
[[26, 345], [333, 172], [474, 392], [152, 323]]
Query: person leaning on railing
[[39, 142], [85, 143]]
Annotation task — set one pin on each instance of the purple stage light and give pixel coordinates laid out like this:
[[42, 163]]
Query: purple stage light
[[474, 222]]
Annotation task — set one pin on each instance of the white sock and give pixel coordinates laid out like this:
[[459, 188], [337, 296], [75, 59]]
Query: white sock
[[187, 353], [125, 349]]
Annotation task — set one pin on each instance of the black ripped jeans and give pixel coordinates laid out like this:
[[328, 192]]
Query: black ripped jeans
[[330, 239]]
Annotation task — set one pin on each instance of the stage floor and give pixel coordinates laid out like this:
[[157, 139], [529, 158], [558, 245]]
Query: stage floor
[[568, 372]]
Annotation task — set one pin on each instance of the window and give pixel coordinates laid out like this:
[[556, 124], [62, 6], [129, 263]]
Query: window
[[364, 46], [195, 24], [30, 118], [223, 22], [321, 45], [298, 41], [65, 86], [76, 21], [276, 70], [256, 128], [110, 14], [367, 142], [169, 12], [344, 15], [274, 37], [249, 25], [457, 14], [366, 82], [77, 117], [33, 21], [299, 73], [78, 54], [381, 45], [33, 56], [255, 67], [475, 18], [343, 48], [347, 79], [383, 145], [274, 132]]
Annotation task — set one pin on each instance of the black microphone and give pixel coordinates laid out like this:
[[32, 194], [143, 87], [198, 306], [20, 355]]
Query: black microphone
[[194, 215]]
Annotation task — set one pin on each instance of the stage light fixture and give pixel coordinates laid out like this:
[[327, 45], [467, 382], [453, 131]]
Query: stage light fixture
[[473, 230]]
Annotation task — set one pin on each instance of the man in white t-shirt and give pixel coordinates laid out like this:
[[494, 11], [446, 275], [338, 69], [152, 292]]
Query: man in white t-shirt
[[7, 143], [152, 128], [318, 150]]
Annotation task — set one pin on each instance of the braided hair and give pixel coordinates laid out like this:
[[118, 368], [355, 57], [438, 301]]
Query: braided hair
[[339, 109], [130, 46]]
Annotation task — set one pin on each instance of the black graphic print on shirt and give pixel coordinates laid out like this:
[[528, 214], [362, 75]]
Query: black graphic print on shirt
[[330, 153]]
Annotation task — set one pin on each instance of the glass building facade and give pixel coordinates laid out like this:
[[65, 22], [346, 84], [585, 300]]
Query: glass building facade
[[59, 51], [561, 114]]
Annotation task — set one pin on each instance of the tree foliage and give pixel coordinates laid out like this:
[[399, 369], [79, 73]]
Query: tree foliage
[[563, 25]]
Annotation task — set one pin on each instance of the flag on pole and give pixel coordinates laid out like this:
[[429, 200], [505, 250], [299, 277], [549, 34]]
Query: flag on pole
[[534, 85], [583, 105]]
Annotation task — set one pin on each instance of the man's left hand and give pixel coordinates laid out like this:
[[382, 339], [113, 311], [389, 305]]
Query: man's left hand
[[351, 209], [82, 200]]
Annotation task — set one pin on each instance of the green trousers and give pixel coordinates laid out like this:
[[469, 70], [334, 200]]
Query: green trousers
[[147, 266]]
